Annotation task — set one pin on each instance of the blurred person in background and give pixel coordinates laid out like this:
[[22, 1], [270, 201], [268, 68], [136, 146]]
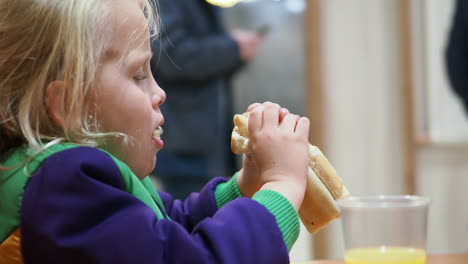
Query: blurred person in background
[[457, 52], [194, 60]]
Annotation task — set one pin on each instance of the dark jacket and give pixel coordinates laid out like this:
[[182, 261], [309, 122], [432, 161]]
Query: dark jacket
[[193, 61], [457, 52]]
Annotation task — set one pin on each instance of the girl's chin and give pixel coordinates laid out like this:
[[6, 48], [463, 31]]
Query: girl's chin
[[151, 167]]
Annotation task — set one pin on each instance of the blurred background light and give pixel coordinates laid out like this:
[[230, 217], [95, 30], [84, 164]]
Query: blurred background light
[[224, 3], [230, 3]]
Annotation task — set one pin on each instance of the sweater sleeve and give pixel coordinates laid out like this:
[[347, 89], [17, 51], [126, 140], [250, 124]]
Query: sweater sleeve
[[198, 206], [226, 191], [75, 210], [278, 205]]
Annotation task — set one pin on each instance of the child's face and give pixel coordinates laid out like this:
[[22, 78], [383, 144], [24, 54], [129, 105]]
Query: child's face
[[128, 97]]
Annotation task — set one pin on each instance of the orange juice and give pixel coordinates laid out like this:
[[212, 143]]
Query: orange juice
[[385, 255]]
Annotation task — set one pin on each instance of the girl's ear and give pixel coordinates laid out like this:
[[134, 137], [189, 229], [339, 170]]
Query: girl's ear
[[55, 95]]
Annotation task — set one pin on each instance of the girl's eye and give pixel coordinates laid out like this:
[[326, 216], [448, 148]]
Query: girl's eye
[[140, 77]]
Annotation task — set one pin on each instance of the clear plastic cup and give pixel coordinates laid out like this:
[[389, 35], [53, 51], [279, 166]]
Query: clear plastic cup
[[384, 229]]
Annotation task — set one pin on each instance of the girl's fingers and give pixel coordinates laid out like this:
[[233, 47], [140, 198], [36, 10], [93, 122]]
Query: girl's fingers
[[289, 122], [268, 113], [271, 116], [256, 119], [283, 113], [252, 106], [303, 126]]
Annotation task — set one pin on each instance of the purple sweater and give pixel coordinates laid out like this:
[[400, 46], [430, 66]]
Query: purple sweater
[[75, 210]]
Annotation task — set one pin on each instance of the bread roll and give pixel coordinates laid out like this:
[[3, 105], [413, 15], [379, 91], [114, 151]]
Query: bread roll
[[324, 186]]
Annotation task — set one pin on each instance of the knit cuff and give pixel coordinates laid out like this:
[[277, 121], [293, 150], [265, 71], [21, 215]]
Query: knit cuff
[[284, 213], [227, 191]]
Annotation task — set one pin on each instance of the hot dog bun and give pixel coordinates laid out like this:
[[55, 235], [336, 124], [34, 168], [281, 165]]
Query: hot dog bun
[[324, 186]]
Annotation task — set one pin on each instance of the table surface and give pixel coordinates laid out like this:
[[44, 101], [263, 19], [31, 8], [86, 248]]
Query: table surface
[[434, 259]]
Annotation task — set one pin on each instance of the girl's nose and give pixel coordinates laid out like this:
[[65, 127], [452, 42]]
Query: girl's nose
[[158, 97]]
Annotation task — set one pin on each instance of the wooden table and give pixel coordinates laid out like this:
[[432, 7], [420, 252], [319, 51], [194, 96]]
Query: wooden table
[[434, 259]]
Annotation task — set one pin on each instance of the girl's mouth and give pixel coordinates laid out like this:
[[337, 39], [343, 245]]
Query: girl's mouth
[[158, 132]]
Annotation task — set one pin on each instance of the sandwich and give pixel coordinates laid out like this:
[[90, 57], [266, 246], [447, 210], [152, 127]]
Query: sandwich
[[324, 186]]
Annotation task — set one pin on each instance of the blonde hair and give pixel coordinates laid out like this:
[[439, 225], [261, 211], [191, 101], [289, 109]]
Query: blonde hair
[[46, 40]]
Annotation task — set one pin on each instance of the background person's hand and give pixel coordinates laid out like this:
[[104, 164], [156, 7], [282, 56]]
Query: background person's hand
[[248, 42]]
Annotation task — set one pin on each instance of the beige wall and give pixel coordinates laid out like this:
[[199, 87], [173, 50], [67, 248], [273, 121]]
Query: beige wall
[[361, 87], [363, 122], [443, 176], [442, 171]]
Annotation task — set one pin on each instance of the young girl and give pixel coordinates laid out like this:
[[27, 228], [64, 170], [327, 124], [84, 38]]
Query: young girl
[[80, 127]]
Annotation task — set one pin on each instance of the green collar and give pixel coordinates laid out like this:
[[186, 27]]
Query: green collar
[[24, 163]]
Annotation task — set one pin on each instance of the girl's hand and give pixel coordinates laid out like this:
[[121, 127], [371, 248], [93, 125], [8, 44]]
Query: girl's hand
[[248, 179], [280, 151]]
